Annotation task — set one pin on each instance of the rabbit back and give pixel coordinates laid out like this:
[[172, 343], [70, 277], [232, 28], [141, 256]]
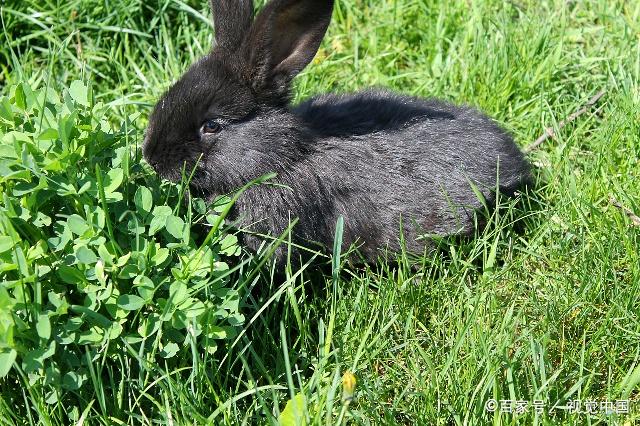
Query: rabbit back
[[389, 164], [421, 149]]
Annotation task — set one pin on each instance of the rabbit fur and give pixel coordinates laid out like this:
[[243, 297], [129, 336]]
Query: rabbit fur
[[389, 164]]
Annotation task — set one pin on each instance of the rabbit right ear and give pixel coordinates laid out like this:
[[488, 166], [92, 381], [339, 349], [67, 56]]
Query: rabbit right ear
[[232, 20], [284, 38]]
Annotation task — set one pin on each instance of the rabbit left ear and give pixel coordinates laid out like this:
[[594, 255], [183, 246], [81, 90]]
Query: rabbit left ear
[[231, 21], [285, 37]]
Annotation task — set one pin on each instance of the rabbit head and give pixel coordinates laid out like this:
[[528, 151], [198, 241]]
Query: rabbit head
[[211, 119]]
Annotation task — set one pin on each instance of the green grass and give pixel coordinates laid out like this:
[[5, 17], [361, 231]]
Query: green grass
[[542, 305]]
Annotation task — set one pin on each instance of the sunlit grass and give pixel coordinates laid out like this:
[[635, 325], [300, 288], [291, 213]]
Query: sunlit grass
[[543, 305]]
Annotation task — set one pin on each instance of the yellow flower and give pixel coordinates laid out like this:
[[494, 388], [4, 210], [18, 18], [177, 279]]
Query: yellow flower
[[348, 386]]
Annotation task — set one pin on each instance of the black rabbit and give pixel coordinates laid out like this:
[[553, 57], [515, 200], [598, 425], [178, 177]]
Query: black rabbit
[[382, 161]]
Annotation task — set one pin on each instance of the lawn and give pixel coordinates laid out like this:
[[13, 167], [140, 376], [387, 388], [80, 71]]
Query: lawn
[[122, 303]]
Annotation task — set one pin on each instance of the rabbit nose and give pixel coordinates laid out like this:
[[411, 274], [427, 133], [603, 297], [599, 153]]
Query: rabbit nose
[[145, 139], [148, 149]]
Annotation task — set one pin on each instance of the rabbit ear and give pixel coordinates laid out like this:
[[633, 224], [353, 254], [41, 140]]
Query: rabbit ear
[[231, 21], [285, 37]]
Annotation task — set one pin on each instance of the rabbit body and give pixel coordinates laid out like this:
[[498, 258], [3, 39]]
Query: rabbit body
[[388, 164]]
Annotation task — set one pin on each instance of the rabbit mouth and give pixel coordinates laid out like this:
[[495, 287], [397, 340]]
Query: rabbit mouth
[[192, 172], [172, 161], [175, 167]]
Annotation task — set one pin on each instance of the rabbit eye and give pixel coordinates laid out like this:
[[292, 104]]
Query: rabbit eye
[[210, 126]]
